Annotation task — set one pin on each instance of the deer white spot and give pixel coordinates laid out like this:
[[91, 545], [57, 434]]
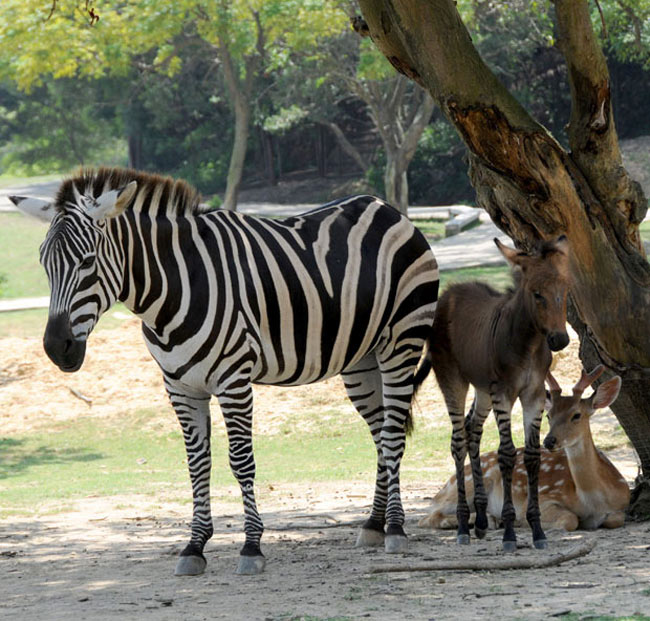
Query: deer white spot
[[558, 466], [543, 488], [545, 467], [559, 482]]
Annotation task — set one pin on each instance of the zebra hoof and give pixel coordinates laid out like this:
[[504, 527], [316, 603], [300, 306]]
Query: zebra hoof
[[250, 565], [541, 544], [396, 544], [480, 532], [369, 537], [190, 566], [509, 546], [462, 540]]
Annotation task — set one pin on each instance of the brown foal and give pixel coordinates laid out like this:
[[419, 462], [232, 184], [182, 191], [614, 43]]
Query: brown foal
[[501, 344]]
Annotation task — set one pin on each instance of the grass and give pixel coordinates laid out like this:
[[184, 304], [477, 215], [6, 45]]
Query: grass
[[644, 229], [24, 324], [7, 181], [498, 277], [46, 470], [432, 229], [20, 238]]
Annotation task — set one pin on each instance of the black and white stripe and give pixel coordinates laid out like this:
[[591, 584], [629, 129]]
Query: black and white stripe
[[229, 300]]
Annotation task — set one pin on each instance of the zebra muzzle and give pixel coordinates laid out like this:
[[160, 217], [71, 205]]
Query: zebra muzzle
[[64, 351]]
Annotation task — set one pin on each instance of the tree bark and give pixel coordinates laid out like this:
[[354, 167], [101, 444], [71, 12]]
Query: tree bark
[[240, 96], [347, 146], [532, 188]]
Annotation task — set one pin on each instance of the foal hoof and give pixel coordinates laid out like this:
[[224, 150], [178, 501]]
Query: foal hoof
[[250, 565], [462, 540], [396, 544], [190, 566], [509, 546], [541, 544], [369, 537]]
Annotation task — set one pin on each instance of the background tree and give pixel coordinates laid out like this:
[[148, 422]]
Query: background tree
[[533, 188]]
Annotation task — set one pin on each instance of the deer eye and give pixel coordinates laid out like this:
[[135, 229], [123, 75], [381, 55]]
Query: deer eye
[[576, 417], [539, 298]]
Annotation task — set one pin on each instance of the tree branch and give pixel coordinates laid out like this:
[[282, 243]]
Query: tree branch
[[533, 562]]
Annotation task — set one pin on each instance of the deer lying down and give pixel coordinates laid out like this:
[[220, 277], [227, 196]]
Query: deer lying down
[[578, 486]]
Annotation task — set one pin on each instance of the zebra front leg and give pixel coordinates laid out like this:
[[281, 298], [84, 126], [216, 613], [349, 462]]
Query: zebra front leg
[[237, 409], [533, 407], [474, 431], [194, 417], [507, 453], [364, 387]]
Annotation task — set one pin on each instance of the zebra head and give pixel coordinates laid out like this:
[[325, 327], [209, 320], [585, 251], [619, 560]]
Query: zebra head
[[82, 265]]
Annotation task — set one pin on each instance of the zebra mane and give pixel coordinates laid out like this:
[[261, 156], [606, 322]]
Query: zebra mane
[[176, 196]]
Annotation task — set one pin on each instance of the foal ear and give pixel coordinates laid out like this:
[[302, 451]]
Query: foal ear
[[113, 203], [511, 255], [36, 207]]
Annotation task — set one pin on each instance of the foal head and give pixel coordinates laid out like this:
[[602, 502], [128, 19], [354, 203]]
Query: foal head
[[543, 278]]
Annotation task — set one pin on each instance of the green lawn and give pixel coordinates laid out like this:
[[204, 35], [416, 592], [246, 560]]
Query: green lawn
[[432, 229], [22, 274], [45, 471]]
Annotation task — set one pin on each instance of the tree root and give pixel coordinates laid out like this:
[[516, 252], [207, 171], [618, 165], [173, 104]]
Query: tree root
[[475, 564]]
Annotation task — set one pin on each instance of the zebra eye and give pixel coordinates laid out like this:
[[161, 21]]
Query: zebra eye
[[87, 262]]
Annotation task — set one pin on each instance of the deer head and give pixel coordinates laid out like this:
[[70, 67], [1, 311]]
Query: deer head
[[568, 416]]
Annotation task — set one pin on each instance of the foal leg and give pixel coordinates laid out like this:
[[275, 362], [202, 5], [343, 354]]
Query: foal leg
[[454, 390], [194, 417], [533, 406], [237, 408], [502, 407], [474, 431], [365, 389]]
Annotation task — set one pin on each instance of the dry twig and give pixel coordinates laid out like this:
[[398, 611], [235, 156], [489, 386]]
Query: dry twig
[[476, 564]]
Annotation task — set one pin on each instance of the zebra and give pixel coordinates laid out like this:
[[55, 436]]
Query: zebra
[[228, 300]]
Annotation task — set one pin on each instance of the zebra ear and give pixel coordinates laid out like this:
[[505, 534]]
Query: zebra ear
[[114, 202], [36, 207]]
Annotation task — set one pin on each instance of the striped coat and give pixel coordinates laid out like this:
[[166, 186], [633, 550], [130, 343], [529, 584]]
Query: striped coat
[[228, 300]]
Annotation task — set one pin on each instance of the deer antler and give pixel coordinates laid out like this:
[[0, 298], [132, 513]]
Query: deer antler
[[552, 383], [587, 379]]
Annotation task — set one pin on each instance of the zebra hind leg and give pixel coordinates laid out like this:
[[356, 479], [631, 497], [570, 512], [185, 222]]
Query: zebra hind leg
[[364, 388], [397, 373], [237, 408], [194, 417]]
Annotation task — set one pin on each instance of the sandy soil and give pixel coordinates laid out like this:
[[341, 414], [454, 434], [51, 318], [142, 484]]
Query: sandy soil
[[100, 561]]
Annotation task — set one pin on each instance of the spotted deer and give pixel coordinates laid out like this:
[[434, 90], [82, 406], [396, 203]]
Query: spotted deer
[[578, 486], [500, 343]]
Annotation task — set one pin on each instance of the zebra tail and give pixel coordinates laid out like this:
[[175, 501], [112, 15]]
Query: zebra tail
[[422, 372], [419, 376]]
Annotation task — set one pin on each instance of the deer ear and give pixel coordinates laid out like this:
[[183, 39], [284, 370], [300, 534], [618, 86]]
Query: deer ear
[[114, 202], [548, 401], [606, 393], [36, 207]]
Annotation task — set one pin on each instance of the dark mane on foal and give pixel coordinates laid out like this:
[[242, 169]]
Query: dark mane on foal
[[93, 182]]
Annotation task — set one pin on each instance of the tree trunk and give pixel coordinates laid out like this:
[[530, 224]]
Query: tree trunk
[[347, 146], [395, 180], [534, 189]]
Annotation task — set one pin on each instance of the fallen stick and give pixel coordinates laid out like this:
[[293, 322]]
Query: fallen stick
[[81, 396], [475, 564]]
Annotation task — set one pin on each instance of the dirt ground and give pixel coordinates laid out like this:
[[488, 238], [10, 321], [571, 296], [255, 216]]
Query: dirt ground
[[103, 561]]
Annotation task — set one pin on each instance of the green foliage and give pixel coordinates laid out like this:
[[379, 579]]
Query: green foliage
[[58, 126], [624, 28], [437, 174]]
